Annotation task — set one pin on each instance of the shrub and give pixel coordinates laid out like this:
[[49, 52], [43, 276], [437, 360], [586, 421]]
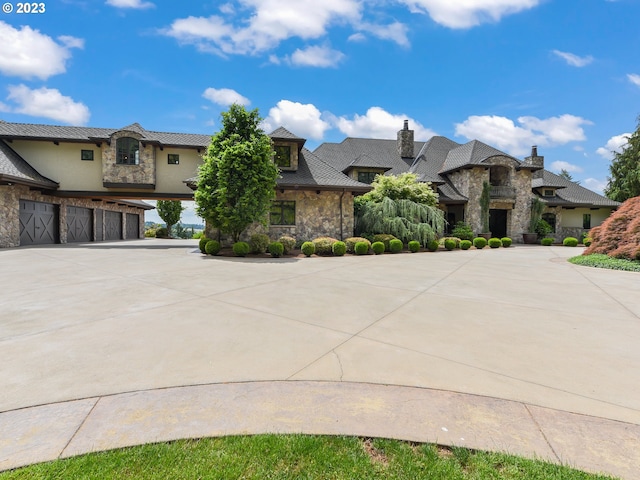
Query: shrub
[[449, 243], [547, 242], [362, 248], [323, 245], [433, 245], [395, 245], [339, 249], [201, 244], [543, 228], [463, 231], [276, 249], [377, 247], [465, 244], [587, 241], [308, 248], [414, 246], [150, 233], [385, 238], [495, 243], [212, 247], [197, 235], [479, 242], [351, 243], [289, 243], [506, 242], [162, 232], [570, 242], [241, 249], [259, 243]]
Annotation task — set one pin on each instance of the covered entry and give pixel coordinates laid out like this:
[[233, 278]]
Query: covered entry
[[38, 223], [79, 224], [498, 222]]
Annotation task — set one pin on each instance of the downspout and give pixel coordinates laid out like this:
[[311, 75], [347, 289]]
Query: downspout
[[342, 215]]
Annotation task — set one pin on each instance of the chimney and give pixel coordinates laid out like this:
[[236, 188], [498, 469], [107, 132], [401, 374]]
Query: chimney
[[405, 141], [535, 160]]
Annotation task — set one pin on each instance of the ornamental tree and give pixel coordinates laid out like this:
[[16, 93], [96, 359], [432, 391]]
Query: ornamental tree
[[624, 182], [169, 211], [237, 179]]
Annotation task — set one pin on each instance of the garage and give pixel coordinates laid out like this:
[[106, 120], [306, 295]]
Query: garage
[[38, 223], [79, 224], [112, 225]]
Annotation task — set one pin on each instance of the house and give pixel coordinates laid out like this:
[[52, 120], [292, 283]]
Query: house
[[458, 172]]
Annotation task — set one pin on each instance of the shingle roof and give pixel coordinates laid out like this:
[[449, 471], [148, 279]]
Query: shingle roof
[[472, 153], [430, 159], [575, 195], [548, 180], [16, 169], [365, 161], [282, 133]]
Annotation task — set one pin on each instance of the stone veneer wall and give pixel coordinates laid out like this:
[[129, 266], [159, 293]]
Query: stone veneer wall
[[10, 197], [144, 173]]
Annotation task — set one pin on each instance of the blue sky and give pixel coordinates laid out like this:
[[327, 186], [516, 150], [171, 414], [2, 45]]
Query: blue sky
[[561, 74]]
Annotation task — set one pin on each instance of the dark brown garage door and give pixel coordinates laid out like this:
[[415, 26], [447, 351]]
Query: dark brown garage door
[[79, 224], [133, 226], [112, 225], [99, 224], [38, 223]]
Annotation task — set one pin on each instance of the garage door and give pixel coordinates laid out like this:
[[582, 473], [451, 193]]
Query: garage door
[[112, 225], [99, 224], [133, 225], [79, 224], [38, 223]]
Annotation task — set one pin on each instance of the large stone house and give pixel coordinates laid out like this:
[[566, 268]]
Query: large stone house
[[458, 172]]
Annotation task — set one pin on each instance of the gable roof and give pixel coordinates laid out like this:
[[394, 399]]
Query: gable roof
[[470, 154], [282, 133], [15, 169]]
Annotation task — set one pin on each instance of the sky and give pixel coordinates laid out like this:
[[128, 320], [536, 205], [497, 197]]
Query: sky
[[560, 74]]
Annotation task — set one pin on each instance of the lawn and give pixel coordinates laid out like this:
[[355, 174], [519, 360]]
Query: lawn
[[295, 457], [600, 260]]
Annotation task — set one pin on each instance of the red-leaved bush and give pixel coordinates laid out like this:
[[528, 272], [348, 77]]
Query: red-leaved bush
[[619, 235]]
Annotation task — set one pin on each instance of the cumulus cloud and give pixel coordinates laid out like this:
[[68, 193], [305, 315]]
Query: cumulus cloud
[[574, 60], [378, 123], [316, 56], [47, 103], [135, 4], [562, 165], [225, 96], [596, 185], [304, 120], [517, 139], [468, 13], [634, 78], [396, 32], [27, 53], [614, 144]]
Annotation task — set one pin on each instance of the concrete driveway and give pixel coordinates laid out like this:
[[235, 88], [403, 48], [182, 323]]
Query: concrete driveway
[[518, 324]]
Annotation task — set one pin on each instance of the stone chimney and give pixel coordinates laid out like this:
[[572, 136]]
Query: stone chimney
[[405, 141], [535, 160]]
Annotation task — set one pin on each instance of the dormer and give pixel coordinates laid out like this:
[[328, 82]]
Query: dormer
[[364, 169], [287, 149]]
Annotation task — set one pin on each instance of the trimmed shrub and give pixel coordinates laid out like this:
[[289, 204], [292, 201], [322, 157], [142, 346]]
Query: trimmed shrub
[[587, 241], [495, 243], [339, 249], [351, 243], [463, 231], [547, 241], [323, 245], [289, 243], [465, 244], [150, 233], [162, 232], [414, 246], [385, 238], [570, 242], [362, 248], [308, 248], [449, 244], [276, 249], [259, 243], [377, 247], [241, 249], [479, 242], [212, 247], [395, 245], [433, 245], [506, 242], [202, 243]]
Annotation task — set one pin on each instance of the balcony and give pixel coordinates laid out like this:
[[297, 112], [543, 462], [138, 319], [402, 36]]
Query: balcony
[[503, 191]]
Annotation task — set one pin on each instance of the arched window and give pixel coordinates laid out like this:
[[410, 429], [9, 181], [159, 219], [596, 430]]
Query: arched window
[[127, 151]]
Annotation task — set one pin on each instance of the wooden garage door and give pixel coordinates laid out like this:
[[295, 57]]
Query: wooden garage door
[[79, 224], [38, 223], [112, 225], [133, 226], [99, 224]]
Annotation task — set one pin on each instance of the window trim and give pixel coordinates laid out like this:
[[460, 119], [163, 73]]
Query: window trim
[[176, 159], [280, 206], [129, 151], [86, 155], [548, 192]]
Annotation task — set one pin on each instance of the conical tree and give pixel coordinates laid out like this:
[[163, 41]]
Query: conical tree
[[624, 182]]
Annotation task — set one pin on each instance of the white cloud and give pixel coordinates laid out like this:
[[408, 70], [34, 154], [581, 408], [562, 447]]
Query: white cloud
[[225, 96], [468, 13], [28, 53], [316, 56], [357, 37], [396, 32], [594, 184], [559, 165], [136, 4], [304, 120], [574, 60], [517, 139], [378, 123], [47, 103], [634, 78], [614, 144]]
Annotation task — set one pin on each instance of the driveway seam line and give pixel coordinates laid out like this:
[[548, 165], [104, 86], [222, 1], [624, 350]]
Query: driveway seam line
[[553, 450], [75, 433]]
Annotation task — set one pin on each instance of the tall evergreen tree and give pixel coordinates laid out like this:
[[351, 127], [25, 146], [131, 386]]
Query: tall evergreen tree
[[624, 181]]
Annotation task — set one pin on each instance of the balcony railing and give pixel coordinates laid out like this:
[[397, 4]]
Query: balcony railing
[[502, 191]]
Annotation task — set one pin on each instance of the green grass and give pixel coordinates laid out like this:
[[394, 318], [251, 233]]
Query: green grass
[[600, 260], [295, 457]]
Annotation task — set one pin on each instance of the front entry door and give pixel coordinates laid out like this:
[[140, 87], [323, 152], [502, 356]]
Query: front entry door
[[498, 223]]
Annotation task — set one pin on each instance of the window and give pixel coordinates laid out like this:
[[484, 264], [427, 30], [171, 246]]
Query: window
[[283, 155], [86, 155], [367, 177], [550, 218], [127, 151], [173, 159], [283, 213], [548, 193], [586, 221]]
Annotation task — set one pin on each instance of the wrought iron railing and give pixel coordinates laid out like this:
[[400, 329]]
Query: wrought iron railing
[[502, 191]]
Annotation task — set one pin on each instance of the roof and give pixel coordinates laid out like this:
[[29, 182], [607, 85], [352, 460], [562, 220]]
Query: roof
[[365, 161], [573, 195], [548, 179], [472, 153], [430, 159], [14, 168], [282, 133]]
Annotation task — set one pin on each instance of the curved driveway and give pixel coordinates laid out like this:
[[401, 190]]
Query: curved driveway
[[463, 335]]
